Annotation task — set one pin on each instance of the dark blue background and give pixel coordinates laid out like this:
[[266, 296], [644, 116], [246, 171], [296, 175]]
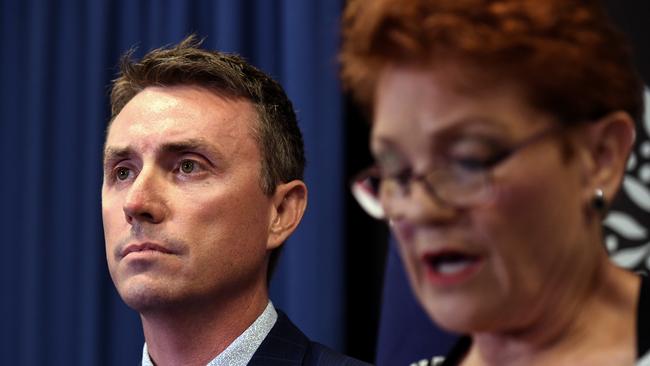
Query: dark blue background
[[58, 305]]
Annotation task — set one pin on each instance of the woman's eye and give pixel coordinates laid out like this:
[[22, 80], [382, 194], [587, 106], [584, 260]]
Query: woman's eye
[[122, 173], [474, 155], [479, 162], [473, 163], [187, 166], [403, 178]]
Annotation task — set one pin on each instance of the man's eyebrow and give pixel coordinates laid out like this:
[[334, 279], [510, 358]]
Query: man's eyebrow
[[191, 145], [112, 154], [116, 153], [188, 145]]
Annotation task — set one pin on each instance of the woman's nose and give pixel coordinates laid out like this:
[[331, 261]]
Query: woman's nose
[[419, 206]]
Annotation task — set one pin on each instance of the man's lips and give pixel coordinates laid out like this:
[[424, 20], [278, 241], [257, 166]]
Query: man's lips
[[140, 247]]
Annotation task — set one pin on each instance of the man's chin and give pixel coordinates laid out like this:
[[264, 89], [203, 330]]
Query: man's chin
[[143, 297]]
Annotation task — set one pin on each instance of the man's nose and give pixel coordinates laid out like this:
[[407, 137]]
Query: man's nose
[[144, 201]]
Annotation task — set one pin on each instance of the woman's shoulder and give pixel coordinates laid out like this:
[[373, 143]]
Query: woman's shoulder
[[434, 361], [455, 355], [643, 321]]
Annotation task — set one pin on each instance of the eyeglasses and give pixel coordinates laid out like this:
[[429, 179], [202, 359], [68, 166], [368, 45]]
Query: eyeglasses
[[454, 182]]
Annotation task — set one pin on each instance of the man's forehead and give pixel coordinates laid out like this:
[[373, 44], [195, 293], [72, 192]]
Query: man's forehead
[[185, 100], [163, 106], [221, 133], [181, 112]]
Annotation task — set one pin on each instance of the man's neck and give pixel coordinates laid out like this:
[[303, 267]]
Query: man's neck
[[194, 335]]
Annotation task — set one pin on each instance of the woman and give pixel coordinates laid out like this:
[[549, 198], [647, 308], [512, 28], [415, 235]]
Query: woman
[[501, 131]]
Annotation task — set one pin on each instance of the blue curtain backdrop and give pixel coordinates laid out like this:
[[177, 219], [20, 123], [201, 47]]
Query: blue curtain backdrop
[[406, 334], [58, 306]]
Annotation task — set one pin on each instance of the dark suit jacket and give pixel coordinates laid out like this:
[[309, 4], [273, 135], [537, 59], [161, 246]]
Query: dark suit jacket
[[286, 345]]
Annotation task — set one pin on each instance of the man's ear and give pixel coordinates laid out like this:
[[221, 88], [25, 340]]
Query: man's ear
[[289, 203], [609, 142]]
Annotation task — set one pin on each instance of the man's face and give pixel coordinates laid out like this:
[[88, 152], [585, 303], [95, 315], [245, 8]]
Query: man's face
[[185, 219]]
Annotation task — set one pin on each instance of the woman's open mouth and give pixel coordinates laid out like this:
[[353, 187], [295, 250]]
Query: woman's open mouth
[[449, 267]]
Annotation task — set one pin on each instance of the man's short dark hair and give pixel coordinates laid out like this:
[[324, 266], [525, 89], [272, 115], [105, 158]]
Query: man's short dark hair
[[229, 75]]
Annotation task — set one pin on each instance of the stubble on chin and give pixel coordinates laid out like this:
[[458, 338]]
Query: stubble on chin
[[145, 297]]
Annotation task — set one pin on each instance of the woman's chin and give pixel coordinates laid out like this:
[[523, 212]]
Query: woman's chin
[[459, 315]]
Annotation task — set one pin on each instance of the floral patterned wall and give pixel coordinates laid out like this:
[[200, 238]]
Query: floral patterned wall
[[627, 226]]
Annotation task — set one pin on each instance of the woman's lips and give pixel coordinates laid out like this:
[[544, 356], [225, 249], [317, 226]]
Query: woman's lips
[[448, 267]]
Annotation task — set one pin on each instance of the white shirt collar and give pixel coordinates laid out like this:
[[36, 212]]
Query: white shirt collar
[[241, 350]]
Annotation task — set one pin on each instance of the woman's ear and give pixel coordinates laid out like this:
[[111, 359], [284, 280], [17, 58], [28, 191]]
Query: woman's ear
[[289, 203], [608, 144]]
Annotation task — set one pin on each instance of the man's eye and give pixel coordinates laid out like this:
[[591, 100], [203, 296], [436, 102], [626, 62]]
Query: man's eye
[[122, 173], [188, 166]]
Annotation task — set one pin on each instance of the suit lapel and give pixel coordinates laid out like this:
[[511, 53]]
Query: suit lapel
[[284, 345]]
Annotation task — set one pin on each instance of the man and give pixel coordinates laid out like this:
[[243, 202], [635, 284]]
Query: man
[[203, 164]]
